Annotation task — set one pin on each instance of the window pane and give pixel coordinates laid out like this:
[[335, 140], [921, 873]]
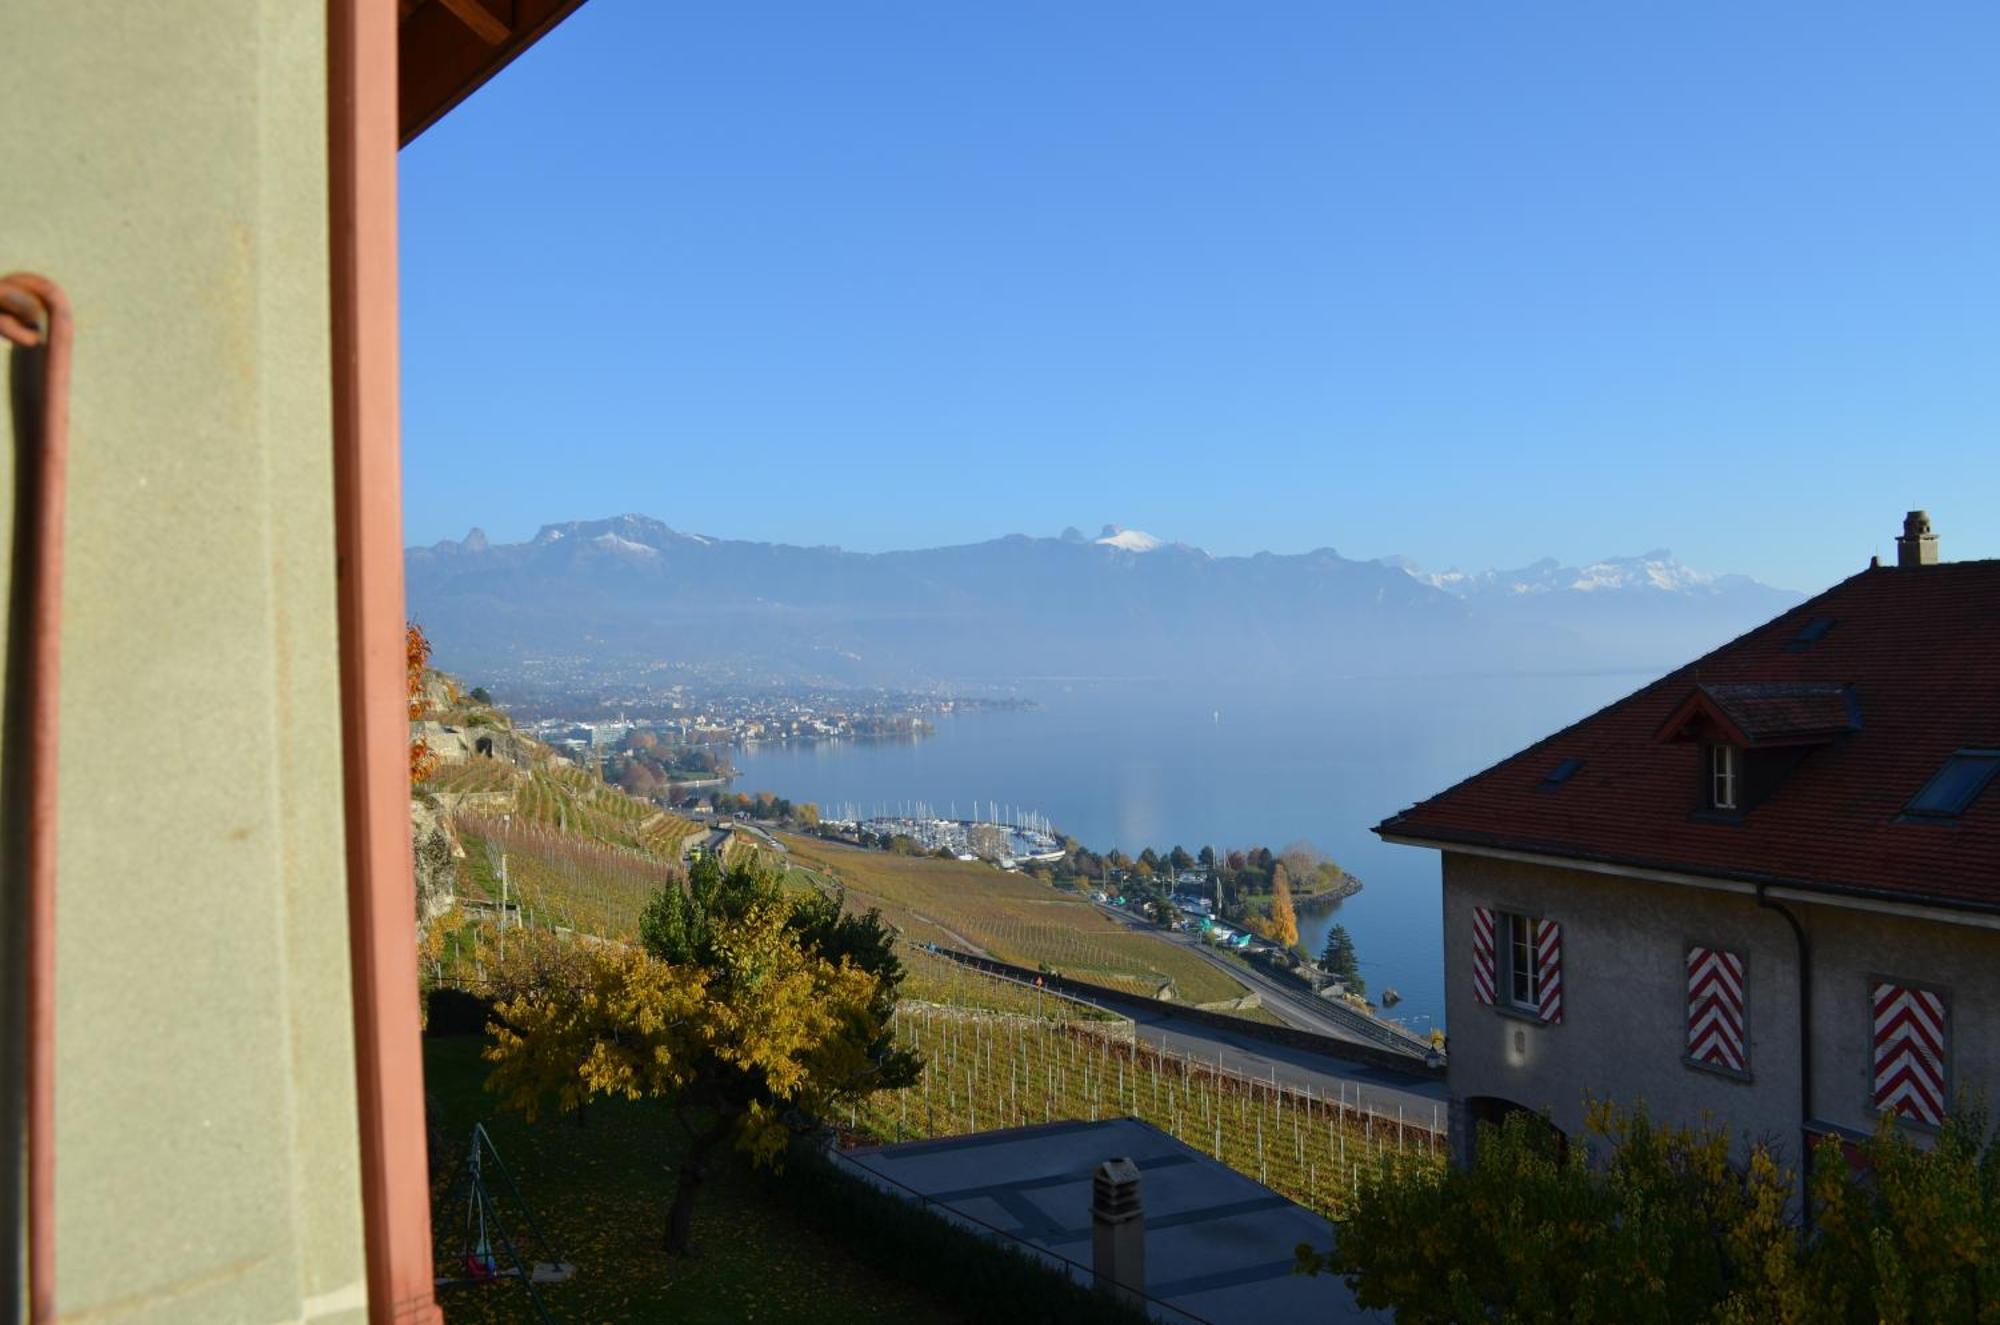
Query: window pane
[[1956, 785], [1521, 960], [1722, 776]]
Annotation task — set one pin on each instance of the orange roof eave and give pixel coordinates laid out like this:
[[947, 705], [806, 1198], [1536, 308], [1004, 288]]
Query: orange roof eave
[[447, 49]]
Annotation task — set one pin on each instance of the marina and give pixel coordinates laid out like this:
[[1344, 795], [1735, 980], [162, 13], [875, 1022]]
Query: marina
[[1006, 835]]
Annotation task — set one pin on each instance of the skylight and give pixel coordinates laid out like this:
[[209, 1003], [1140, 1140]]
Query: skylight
[[1956, 785], [1810, 634], [1561, 773]]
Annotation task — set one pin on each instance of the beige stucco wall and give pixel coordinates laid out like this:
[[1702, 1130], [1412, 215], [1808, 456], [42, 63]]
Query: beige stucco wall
[[1624, 946], [167, 164]]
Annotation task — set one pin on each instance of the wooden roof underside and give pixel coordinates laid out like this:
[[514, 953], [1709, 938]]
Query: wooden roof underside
[[448, 48]]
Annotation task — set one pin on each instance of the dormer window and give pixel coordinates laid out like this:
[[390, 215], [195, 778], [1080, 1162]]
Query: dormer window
[[1782, 722], [1725, 769]]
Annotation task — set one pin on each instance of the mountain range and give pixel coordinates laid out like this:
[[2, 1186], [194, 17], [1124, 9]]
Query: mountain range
[[605, 596]]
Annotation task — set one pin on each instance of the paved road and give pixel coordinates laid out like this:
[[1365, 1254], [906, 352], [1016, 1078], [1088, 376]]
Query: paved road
[[1291, 1005], [1421, 1100]]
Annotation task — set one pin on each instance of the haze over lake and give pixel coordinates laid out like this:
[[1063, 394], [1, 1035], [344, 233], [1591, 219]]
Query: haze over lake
[[1131, 764], [1349, 687]]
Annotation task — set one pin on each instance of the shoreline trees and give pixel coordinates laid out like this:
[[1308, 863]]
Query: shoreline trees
[[1339, 959]]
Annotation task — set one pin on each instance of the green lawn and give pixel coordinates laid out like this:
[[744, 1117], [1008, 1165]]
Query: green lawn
[[600, 1192]]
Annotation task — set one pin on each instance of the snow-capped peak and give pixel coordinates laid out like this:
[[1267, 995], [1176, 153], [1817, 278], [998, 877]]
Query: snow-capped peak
[[615, 543], [1654, 570], [1129, 540], [1658, 571]]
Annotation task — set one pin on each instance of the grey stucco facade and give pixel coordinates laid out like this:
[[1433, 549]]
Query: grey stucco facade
[[1624, 1026]]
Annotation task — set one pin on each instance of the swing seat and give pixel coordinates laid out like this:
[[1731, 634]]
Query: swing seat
[[552, 1272]]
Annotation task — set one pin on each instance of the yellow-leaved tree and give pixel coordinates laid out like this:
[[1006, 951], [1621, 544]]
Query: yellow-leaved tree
[[751, 1012], [1284, 919], [416, 656], [1648, 1223]]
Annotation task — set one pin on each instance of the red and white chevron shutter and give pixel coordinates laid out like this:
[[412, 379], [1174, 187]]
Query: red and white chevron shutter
[[1482, 954], [1909, 1052], [1715, 1008], [1549, 969]]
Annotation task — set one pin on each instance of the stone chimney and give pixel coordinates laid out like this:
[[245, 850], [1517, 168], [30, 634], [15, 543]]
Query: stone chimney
[[1918, 546], [1118, 1231]]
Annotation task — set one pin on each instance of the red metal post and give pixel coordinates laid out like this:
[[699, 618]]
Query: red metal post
[[381, 883], [35, 315]]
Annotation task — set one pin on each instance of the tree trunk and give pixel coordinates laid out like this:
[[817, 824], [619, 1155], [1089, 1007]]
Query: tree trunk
[[680, 1214], [687, 1186]]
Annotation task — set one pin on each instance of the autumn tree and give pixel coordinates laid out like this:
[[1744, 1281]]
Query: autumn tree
[[1919, 1238], [1301, 859], [416, 656], [1644, 1223], [750, 1012], [1284, 920], [1654, 1226]]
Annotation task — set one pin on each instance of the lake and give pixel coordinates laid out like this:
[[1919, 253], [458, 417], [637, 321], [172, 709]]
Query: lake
[[1132, 764]]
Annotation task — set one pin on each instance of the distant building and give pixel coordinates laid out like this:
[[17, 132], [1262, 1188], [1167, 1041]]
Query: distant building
[[1766, 886]]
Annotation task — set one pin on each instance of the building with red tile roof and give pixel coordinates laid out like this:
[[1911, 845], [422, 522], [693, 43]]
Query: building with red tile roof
[[1765, 886]]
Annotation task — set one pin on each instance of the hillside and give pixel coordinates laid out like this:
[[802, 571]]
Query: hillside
[[561, 848], [1012, 917], [578, 853]]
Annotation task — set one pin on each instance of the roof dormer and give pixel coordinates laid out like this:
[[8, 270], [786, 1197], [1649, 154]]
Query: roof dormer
[[1752, 735], [1765, 715]]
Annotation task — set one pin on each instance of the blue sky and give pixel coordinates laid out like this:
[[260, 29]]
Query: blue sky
[[1474, 284]]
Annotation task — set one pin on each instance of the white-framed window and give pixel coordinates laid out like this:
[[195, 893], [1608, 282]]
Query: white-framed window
[[1523, 982], [1724, 771], [1517, 963]]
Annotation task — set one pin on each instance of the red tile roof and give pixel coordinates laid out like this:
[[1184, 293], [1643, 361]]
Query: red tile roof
[[1769, 712], [1913, 656]]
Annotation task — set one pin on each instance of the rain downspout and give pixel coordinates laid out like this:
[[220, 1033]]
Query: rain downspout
[[1805, 1032]]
